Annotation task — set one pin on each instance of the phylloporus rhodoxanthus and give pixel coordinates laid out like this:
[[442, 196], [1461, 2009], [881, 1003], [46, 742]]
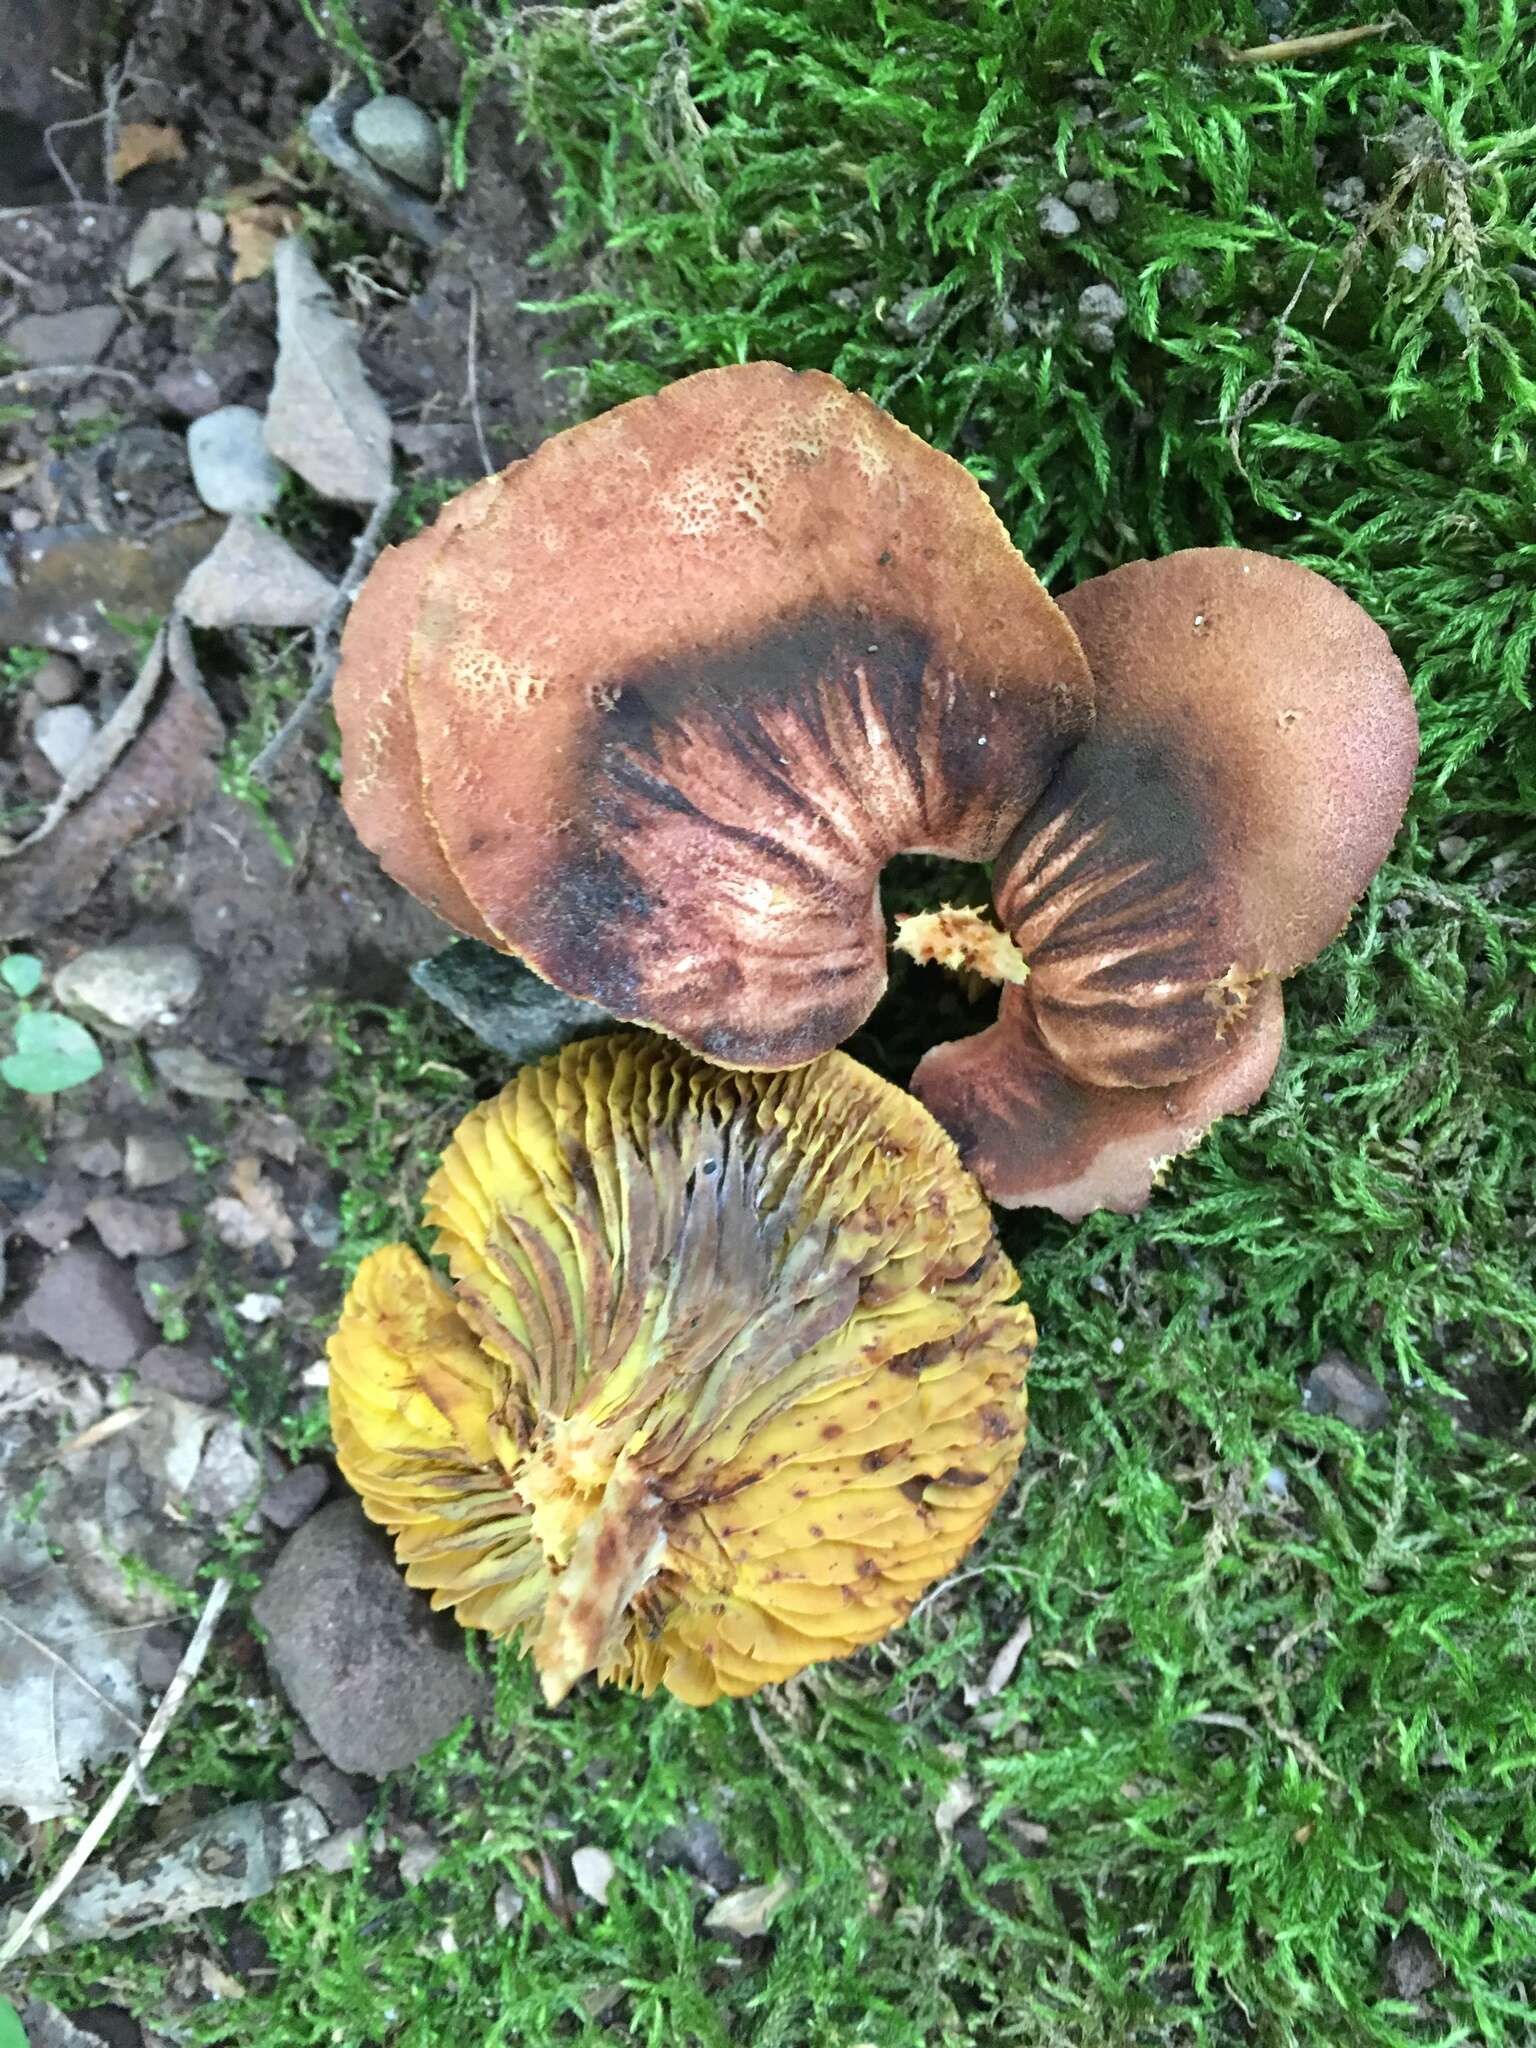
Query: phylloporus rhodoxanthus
[[725, 1372], [652, 709]]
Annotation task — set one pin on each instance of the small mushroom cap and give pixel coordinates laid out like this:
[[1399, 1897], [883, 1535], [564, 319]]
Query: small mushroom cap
[[1036, 1137], [683, 681], [726, 1371], [1251, 758]]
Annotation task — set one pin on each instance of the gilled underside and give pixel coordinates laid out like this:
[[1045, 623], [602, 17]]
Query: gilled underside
[[722, 1378]]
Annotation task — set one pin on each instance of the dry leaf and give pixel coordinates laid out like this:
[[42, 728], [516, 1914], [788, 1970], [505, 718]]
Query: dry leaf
[[750, 1911], [324, 418], [254, 233], [1002, 1667], [252, 1214], [959, 1797], [145, 142]]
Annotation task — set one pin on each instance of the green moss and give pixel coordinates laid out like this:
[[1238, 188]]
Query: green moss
[[1277, 1707]]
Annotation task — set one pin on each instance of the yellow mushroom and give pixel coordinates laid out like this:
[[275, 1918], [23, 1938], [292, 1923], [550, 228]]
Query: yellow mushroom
[[725, 1371]]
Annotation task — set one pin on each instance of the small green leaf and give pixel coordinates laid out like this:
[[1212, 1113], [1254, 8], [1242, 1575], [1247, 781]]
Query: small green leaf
[[21, 973], [12, 2033], [52, 1052]]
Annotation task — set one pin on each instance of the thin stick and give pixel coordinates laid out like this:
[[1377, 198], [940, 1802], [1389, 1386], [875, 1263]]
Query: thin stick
[[117, 1798], [1309, 46], [472, 380], [21, 378], [327, 656]]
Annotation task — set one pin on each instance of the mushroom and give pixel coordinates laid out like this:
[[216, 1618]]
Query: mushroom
[[725, 1371], [654, 707], [1252, 752]]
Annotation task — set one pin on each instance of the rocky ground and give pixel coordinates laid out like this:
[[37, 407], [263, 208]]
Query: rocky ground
[[224, 340]]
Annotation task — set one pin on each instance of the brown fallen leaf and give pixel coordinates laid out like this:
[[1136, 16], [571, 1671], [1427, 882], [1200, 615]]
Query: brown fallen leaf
[[252, 1215], [145, 142], [254, 233], [165, 774]]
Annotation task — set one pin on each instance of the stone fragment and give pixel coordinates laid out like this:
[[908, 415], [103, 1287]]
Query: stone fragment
[[130, 987], [86, 1304]]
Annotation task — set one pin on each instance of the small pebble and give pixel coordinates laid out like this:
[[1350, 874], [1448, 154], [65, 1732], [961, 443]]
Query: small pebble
[[131, 987], [57, 681], [1101, 302], [186, 387], [259, 1308], [1057, 218], [401, 139], [294, 1498], [153, 1158], [62, 733], [230, 465]]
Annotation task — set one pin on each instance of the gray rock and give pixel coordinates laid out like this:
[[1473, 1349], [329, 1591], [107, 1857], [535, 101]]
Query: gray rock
[[98, 1157], [254, 578], [59, 1216], [402, 139], [698, 1846], [324, 418], [164, 232], [136, 1230], [1101, 302], [376, 1675], [1337, 1386], [230, 464], [164, 1283], [1412, 1966], [152, 1158], [62, 734], [184, 1373], [82, 335], [1096, 197], [161, 1648], [57, 681], [131, 987], [229, 1473], [191, 1072], [1057, 218], [51, 583], [504, 1003], [333, 1792], [294, 1498], [186, 387], [85, 1303]]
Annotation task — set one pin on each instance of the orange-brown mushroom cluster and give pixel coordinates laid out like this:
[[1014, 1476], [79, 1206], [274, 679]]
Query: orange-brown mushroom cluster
[[653, 708]]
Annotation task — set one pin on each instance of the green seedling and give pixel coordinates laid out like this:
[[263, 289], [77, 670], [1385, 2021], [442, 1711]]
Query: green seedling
[[52, 1052]]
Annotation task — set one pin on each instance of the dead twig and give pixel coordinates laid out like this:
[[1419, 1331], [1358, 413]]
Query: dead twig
[[472, 380], [22, 378], [117, 1798], [1263, 389], [327, 653], [1292, 47]]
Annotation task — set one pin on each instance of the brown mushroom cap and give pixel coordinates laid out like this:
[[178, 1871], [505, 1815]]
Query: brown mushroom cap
[[682, 682], [1035, 1137], [380, 764], [1253, 750]]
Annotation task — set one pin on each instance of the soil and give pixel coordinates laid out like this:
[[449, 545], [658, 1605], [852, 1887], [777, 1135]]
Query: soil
[[279, 902]]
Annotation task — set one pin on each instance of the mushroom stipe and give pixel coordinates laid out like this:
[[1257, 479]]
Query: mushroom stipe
[[652, 709]]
